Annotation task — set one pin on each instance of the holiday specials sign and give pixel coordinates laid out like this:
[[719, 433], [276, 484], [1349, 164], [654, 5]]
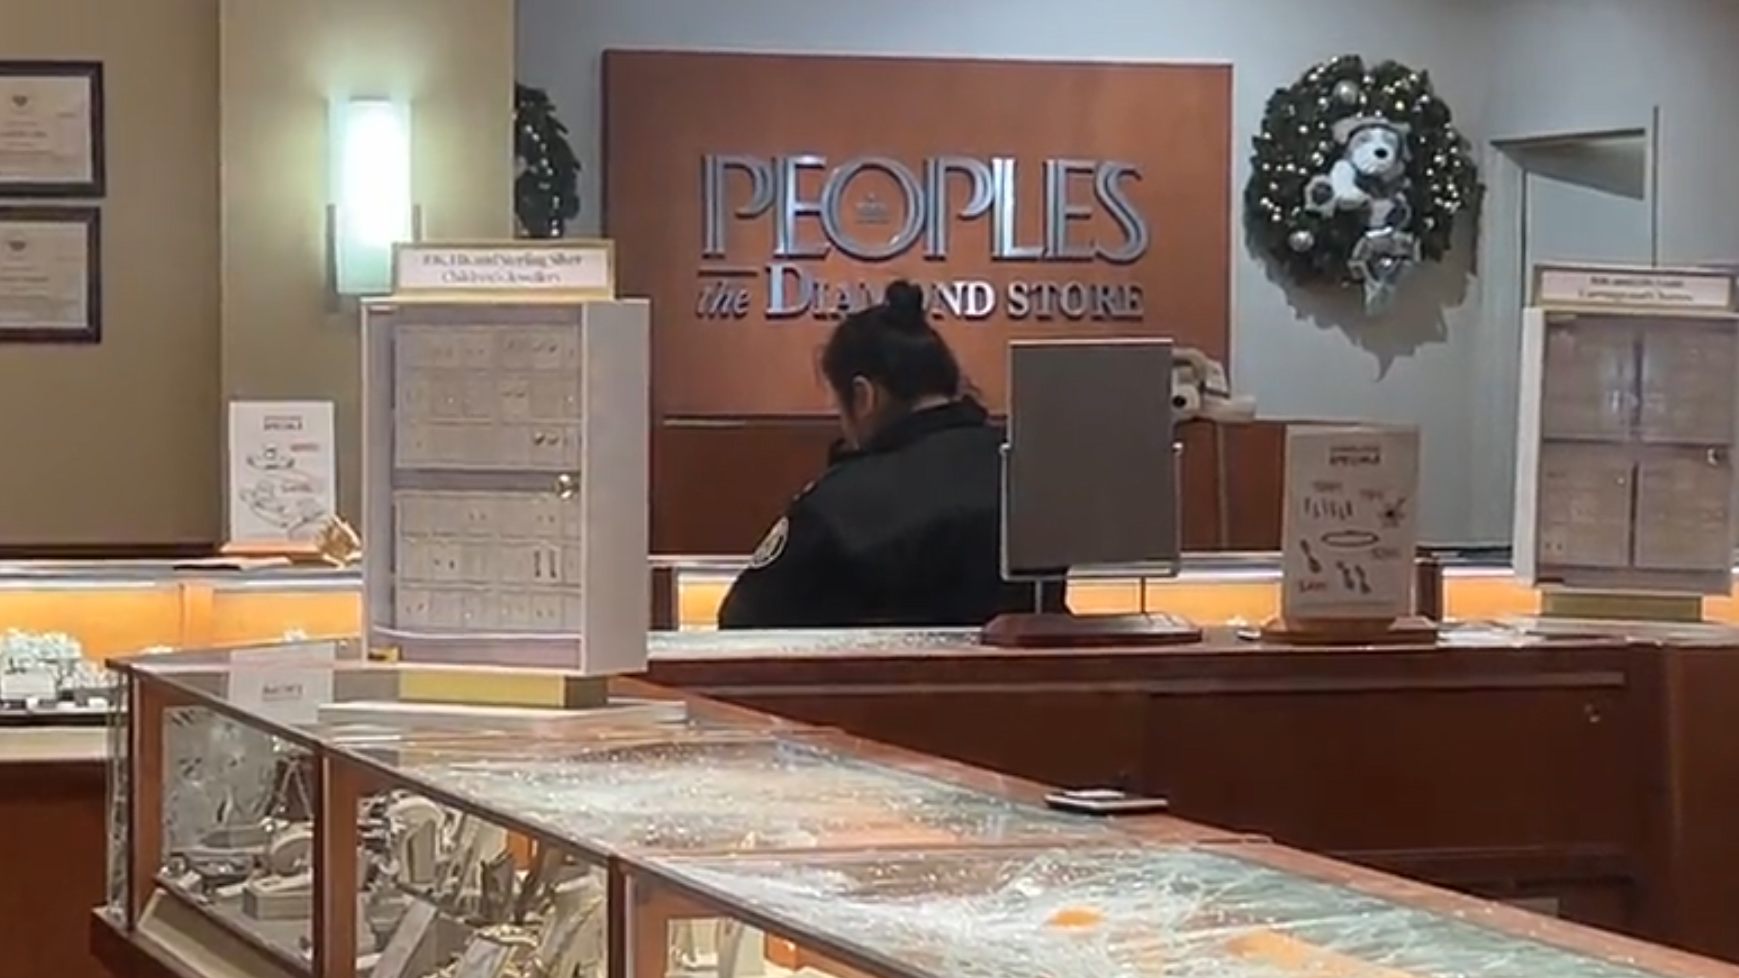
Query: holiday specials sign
[[757, 200]]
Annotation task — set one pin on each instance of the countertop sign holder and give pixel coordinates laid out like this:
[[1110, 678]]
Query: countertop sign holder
[[1628, 424], [1089, 485], [1349, 538]]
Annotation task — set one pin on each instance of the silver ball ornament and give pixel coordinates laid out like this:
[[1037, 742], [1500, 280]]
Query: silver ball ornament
[[1301, 240], [1347, 92]]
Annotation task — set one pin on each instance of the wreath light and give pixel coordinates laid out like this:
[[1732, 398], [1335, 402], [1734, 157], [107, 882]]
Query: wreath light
[[1326, 207]]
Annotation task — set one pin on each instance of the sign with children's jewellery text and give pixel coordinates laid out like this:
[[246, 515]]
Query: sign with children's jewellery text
[[1350, 526]]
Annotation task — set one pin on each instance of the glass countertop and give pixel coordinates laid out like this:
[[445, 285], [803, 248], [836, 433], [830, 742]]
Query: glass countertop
[[1111, 912], [734, 794], [813, 643]]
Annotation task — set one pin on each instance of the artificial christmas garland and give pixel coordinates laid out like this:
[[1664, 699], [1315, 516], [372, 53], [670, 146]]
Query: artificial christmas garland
[[546, 191], [1358, 173]]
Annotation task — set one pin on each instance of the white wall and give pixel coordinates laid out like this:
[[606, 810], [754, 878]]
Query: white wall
[[1571, 66], [1411, 367], [1567, 65]]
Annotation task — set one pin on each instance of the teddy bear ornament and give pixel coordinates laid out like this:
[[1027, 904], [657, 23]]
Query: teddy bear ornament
[[1369, 180]]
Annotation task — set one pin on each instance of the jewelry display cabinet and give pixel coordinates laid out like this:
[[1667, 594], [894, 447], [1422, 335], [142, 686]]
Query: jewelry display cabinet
[[296, 805], [1628, 424], [259, 821], [212, 809], [505, 480], [297, 812]]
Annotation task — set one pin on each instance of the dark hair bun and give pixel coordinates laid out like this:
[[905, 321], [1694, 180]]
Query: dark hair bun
[[906, 303]]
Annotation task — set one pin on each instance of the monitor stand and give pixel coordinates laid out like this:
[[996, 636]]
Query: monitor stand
[[1062, 630]]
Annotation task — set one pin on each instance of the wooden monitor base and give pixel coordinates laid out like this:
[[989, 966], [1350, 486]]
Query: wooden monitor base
[[1352, 631], [1064, 631]]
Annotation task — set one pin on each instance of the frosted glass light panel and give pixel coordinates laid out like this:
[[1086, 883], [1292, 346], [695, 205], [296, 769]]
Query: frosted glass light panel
[[1625, 478], [370, 191], [505, 458]]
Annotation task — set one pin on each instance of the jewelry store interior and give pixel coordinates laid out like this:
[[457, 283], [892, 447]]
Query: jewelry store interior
[[429, 528]]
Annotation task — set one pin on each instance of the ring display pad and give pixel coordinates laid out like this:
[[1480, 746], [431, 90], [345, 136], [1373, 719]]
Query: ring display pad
[[1089, 483], [1628, 417], [505, 459], [1349, 534]]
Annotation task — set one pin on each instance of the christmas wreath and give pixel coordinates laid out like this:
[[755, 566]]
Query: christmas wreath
[[1357, 175], [546, 191]]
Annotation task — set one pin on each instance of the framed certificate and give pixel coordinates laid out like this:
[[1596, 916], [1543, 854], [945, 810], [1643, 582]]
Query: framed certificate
[[50, 275], [51, 129]]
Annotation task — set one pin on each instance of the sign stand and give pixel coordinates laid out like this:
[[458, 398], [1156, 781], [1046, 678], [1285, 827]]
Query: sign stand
[[1349, 538], [1628, 424]]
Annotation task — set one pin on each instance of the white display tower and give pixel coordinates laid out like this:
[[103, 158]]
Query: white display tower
[[506, 415], [1629, 413]]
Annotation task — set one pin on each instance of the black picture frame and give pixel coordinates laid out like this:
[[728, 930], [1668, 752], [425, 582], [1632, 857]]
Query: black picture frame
[[97, 185], [92, 220]]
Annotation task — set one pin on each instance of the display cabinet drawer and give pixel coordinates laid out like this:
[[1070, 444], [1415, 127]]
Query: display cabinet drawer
[[1405, 768]]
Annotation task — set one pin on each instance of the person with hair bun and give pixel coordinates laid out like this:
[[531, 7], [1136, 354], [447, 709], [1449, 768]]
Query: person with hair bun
[[903, 528]]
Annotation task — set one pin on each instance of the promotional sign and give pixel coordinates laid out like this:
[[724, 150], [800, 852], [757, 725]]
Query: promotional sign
[[759, 199], [286, 683], [283, 472], [1351, 523]]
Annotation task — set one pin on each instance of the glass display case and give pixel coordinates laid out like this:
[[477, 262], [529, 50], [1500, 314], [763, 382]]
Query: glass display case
[[1240, 911], [112, 609], [310, 804], [321, 815]]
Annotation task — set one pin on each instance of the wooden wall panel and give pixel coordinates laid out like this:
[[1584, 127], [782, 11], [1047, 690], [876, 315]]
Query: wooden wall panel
[[52, 845], [719, 484], [742, 420], [665, 112]]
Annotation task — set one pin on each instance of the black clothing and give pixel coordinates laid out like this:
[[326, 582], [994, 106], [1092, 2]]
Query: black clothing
[[904, 531]]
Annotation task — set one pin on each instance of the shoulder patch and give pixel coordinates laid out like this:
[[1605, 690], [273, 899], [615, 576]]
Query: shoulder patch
[[771, 546]]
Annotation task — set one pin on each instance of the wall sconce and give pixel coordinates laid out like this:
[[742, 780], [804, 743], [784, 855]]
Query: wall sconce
[[369, 207]]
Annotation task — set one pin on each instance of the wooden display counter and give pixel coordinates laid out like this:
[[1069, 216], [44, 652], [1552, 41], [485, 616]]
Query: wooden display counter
[[1593, 779], [53, 849], [1355, 918]]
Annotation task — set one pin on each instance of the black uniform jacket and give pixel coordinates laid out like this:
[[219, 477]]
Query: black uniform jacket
[[906, 531]]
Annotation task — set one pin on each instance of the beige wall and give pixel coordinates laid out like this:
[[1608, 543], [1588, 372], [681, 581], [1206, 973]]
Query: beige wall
[[215, 287], [281, 61], [119, 442]]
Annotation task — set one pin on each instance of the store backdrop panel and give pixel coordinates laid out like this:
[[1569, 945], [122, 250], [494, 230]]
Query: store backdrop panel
[[756, 198]]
